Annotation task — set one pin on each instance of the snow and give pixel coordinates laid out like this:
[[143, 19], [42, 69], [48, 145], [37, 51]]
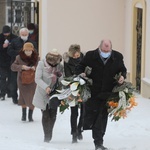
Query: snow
[[131, 133]]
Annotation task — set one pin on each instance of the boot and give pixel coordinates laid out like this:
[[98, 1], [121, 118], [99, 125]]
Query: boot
[[80, 136], [30, 115], [23, 114], [74, 138]]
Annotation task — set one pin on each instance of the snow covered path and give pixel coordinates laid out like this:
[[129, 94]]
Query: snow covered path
[[132, 133]]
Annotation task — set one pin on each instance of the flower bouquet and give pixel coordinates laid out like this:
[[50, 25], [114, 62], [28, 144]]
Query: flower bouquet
[[75, 90], [121, 101]]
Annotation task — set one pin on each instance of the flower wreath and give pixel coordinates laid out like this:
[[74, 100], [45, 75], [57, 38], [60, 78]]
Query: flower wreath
[[122, 100], [74, 91]]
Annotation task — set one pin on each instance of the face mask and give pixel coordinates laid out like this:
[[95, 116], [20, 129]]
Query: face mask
[[31, 31], [105, 55], [52, 65], [24, 38], [28, 53]]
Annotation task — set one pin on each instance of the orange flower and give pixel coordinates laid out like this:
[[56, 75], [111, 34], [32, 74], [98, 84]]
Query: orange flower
[[132, 103], [112, 104]]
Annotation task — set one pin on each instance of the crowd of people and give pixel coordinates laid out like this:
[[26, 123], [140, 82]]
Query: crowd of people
[[19, 54]]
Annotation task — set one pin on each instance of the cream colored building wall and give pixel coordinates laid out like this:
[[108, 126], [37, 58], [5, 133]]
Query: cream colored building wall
[[84, 22]]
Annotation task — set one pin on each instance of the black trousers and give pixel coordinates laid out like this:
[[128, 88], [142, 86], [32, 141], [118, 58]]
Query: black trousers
[[13, 85], [76, 123], [4, 81], [48, 121], [95, 119]]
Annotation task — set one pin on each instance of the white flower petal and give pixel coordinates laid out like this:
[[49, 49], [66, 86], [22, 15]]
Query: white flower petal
[[72, 103], [60, 91], [64, 82], [75, 93], [74, 86], [76, 79], [81, 81]]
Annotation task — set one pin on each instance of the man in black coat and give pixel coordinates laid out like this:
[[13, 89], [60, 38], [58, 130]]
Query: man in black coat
[[13, 50], [5, 40], [105, 64]]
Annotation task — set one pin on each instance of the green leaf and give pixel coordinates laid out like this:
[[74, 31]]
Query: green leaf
[[62, 108]]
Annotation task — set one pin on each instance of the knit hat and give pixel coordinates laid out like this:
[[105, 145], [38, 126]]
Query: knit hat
[[6, 29], [53, 57], [28, 46], [73, 49]]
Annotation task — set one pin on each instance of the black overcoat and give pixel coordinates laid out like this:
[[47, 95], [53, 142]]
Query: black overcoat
[[103, 81], [102, 74]]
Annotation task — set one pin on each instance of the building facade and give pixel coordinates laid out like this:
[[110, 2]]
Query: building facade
[[86, 22]]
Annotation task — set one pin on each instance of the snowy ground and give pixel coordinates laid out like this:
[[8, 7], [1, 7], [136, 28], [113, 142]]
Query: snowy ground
[[132, 133]]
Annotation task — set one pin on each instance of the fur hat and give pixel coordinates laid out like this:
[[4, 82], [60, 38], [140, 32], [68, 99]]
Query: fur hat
[[28, 46], [6, 29], [53, 57], [73, 49]]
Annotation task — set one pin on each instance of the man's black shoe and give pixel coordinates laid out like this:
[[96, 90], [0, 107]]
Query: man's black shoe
[[15, 101], [80, 137], [3, 98], [100, 147]]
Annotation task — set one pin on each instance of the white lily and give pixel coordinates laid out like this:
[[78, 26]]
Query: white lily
[[75, 93], [74, 86], [72, 103], [76, 79], [60, 91], [82, 82], [65, 83]]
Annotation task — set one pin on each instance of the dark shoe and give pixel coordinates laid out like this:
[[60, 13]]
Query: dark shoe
[[74, 138], [47, 139], [101, 147], [9, 96], [3, 98], [23, 114], [15, 101], [30, 115], [80, 137]]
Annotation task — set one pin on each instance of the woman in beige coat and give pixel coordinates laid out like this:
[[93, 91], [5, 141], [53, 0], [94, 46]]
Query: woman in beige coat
[[26, 60], [47, 73]]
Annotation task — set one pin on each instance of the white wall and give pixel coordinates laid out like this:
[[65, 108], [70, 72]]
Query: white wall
[[84, 22]]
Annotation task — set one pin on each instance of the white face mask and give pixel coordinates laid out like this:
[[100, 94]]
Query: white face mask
[[105, 55], [24, 38], [31, 31], [28, 53]]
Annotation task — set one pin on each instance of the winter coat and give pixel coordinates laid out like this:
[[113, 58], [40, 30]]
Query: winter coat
[[16, 45], [26, 91], [4, 57], [102, 75], [70, 64], [45, 76]]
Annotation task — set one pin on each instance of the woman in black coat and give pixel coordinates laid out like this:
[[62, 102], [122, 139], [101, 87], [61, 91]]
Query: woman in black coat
[[71, 59], [105, 64]]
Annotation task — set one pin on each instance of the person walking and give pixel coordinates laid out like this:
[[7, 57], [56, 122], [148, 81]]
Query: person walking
[[33, 33], [5, 39], [13, 50], [105, 64], [71, 59], [26, 60], [48, 71]]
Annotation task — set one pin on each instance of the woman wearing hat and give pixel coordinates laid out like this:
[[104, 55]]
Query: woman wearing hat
[[71, 59], [47, 73], [26, 60]]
